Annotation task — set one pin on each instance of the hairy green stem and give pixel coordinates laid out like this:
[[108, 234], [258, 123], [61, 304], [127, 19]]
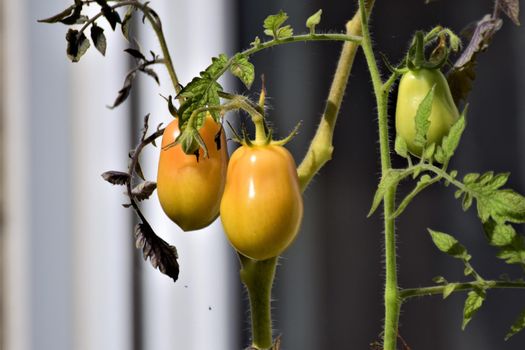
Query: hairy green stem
[[258, 277], [391, 296], [293, 39], [460, 287], [321, 149]]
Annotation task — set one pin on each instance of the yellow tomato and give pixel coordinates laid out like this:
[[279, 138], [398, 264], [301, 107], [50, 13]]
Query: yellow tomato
[[190, 190], [262, 206]]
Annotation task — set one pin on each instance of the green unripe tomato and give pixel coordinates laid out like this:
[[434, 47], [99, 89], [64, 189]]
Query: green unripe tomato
[[413, 87]]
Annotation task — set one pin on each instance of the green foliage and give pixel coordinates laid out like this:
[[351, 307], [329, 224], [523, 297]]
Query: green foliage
[[243, 69], [313, 21], [517, 326], [422, 122], [450, 142], [389, 179], [501, 205], [203, 91], [473, 303], [449, 245], [273, 26], [401, 147], [424, 181], [449, 289]]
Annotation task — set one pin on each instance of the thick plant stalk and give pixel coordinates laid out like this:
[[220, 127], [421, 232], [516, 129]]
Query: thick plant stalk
[[391, 296], [258, 277], [321, 148]]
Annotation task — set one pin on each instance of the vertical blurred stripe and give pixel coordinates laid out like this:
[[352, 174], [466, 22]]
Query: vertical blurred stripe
[[2, 196], [102, 233], [15, 254]]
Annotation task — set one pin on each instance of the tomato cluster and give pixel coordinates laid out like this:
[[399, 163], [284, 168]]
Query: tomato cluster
[[258, 192]]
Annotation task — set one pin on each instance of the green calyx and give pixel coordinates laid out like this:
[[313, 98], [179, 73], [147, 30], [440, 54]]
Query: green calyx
[[443, 40]]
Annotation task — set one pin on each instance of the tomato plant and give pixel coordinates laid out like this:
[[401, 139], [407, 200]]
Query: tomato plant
[[414, 86], [262, 206], [259, 192], [190, 188]]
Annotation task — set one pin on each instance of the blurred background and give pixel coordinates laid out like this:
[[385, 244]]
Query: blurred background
[[70, 275]]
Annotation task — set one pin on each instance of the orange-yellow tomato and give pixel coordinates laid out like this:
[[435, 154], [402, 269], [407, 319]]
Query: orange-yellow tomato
[[190, 191], [262, 206]]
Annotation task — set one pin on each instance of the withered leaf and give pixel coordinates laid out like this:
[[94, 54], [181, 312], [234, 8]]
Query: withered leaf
[[162, 255]]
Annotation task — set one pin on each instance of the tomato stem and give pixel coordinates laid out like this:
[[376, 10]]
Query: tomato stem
[[460, 287], [258, 277], [157, 28], [260, 132], [321, 148], [391, 296]]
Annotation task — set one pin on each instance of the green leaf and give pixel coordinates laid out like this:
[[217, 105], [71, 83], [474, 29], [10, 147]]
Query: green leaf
[[468, 270], [423, 183], [203, 91], [389, 179], [470, 178], [99, 39], [514, 253], [273, 26], [188, 141], [401, 147], [449, 289], [502, 206], [422, 118], [517, 326], [429, 152], [243, 69], [499, 235], [256, 42], [313, 21], [451, 141], [439, 156], [77, 45], [466, 203], [439, 280], [449, 245], [474, 301]]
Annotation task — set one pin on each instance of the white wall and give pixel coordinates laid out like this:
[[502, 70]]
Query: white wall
[[68, 242]]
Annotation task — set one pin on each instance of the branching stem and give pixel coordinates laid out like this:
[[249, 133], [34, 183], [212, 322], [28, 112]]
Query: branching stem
[[460, 287], [157, 28]]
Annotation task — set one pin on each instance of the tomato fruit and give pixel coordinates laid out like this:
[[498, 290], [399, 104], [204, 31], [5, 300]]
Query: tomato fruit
[[190, 189], [262, 205], [413, 87]]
